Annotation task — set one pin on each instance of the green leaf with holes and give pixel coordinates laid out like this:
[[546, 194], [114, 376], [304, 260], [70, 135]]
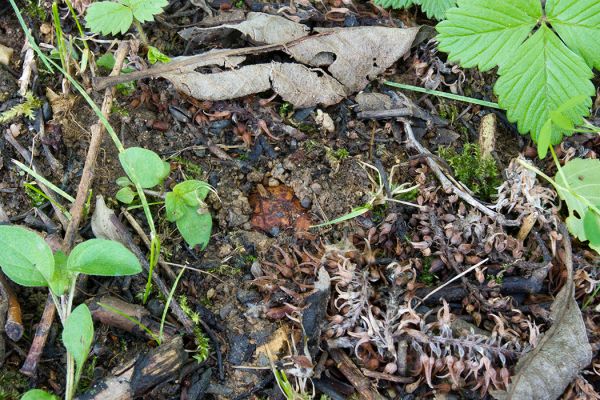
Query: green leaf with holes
[[578, 184]]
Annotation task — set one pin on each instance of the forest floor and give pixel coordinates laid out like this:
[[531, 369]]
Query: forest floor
[[365, 308]]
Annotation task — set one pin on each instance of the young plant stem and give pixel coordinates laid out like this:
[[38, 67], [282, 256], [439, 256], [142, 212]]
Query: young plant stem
[[138, 27], [103, 119], [168, 303]]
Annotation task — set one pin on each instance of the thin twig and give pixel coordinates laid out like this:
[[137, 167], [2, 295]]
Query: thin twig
[[39, 341], [447, 185], [87, 175]]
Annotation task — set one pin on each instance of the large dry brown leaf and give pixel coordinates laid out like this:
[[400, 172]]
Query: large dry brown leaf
[[355, 56], [346, 59], [562, 352], [259, 27]]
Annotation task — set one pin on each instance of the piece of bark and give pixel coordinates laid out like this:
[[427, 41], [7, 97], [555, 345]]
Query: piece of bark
[[39, 340], [355, 377], [14, 322], [106, 316], [157, 366]]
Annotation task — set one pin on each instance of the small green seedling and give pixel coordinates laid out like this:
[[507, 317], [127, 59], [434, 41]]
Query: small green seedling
[[112, 17], [155, 55], [184, 205], [433, 8], [28, 261], [379, 195], [545, 54]]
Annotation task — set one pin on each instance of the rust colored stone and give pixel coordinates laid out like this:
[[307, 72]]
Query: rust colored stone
[[275, 209]]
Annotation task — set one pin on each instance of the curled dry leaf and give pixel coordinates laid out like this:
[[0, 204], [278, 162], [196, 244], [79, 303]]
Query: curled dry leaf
[[561, 353], [258, 27], [330, 66]]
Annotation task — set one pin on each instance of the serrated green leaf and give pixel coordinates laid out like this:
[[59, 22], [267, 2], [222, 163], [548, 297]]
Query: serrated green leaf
[[104, 258], [486, 33], [144, 166], [37, 394], [195, 227], [107, 17], [145, 10], [396, 4], [25, 257], [578, 184], [578, 24], [542, 75], [78, 334], [436, 8]]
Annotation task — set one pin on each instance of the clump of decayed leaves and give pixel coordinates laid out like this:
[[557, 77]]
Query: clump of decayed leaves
[[478, 173]]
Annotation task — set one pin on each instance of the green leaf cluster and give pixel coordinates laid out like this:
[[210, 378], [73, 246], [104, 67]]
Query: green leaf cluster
[[545, 57], [27, 260], [155, 55], [433, 8], [185, 206], [109, 17], [479, 174]]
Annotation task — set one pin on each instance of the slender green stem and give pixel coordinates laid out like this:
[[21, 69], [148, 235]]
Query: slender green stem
[[43, 180], [444, 94], [168, 303], [79, 28], [154, 253], [138, 27]]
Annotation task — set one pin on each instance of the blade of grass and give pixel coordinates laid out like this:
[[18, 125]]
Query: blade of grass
[[168, 303], [46, 182], [437, 93]]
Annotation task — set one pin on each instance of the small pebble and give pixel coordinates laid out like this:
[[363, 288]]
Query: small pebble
[[306, 202], [273, 182]]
